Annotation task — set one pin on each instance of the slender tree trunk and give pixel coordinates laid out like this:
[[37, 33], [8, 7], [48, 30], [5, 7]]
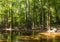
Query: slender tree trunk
[[48, 16]]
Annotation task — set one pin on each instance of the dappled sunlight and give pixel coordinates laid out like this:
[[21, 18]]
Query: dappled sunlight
[[29, 21], [52, 9], [52, 31]]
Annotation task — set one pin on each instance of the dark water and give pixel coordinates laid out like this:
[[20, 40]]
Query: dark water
[[56, 39]]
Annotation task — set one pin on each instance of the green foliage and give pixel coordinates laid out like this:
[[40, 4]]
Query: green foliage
[[22, 11]]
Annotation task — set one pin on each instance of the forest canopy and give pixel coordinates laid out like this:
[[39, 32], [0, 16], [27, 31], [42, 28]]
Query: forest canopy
[[29, 12]]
